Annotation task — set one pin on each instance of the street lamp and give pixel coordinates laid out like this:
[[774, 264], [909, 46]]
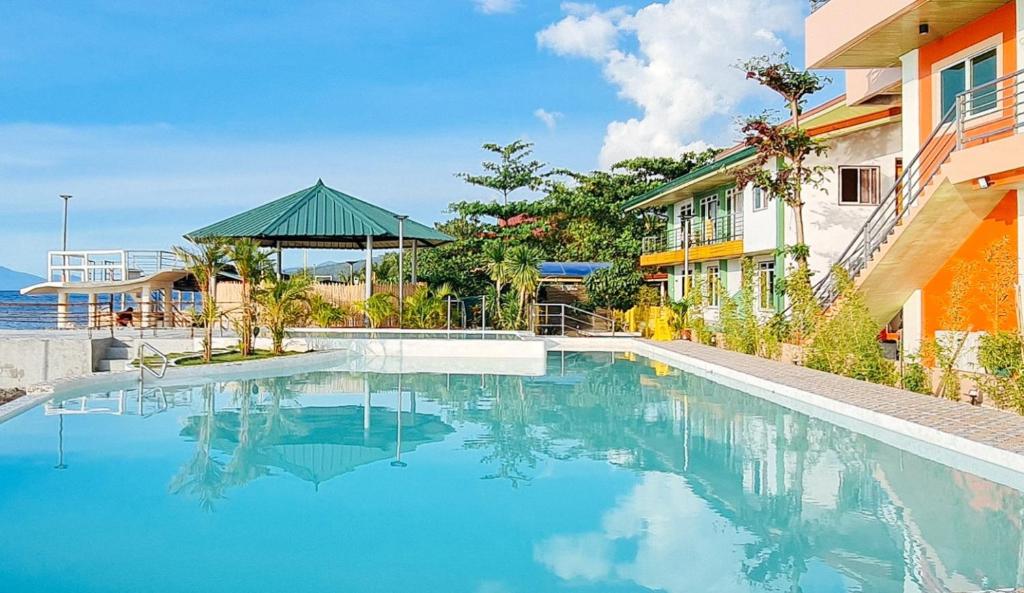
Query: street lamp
[[64, 243]]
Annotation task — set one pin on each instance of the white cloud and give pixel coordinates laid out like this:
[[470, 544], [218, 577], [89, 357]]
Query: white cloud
[[674, 61], [549, 118], [496, 6], [585, 32], [673, 537]]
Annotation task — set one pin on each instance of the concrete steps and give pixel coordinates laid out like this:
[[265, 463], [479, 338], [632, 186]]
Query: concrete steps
[[119, 353]]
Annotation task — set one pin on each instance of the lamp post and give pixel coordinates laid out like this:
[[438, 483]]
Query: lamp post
[[401, 272], [64, 243]]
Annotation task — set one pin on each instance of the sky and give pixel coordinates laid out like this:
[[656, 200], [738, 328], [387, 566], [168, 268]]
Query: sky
[[160, 118]]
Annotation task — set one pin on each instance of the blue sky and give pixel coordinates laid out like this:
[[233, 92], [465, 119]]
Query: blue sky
[[163, 118]]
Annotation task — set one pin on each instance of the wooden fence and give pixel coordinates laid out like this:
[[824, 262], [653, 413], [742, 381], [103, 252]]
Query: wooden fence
[[229, 297]]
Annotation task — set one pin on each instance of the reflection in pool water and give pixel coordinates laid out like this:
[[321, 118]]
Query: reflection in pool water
[[607, 474]]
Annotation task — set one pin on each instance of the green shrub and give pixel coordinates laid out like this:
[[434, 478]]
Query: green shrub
[[846, 342], [915, 378], [1002, 356]]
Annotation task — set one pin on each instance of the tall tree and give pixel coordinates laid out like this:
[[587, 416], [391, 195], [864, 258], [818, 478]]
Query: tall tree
[[513, 170], [253, 266], [788, 144], [205, 261]]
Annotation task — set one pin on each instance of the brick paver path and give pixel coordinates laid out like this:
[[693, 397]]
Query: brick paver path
[[997, 428]]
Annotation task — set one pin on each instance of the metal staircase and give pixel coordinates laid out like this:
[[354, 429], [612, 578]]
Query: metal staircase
[[980, 114]]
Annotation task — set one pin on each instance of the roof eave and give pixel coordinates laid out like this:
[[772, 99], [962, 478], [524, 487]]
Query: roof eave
[[726, 164]]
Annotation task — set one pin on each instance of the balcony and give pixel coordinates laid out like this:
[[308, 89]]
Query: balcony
[[707, 239], [875, 33], [110, 265]]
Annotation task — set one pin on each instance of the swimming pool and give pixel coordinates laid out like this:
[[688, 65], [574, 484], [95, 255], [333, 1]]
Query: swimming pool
[[609, 473]]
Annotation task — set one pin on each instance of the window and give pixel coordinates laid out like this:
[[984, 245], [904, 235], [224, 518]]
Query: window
[[714, 284], [709, 206], [859, 185], [685, 213], [765, 285], [971, 73], [760, 199], [733, 200]]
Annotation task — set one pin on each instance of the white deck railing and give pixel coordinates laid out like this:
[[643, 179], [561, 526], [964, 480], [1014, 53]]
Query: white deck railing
[[108, 265]]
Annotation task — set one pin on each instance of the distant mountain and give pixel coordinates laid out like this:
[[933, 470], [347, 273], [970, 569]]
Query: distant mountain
[[333, 269], [14, 280]]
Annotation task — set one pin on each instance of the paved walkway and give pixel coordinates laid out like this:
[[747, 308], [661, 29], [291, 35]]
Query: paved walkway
[[989, 426]]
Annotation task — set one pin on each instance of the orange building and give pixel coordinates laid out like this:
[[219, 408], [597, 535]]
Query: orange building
[[954, 67]]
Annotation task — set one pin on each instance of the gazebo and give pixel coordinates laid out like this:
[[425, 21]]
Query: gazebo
[[320, 217]]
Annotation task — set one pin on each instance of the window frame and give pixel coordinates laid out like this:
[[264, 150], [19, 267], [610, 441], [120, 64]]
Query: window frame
[[860, 202], [713, 271], [763, 195], [969, 83], [961, 57], [762, 266], [683, 207]]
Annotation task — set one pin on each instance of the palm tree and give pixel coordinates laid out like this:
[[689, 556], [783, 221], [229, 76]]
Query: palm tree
[[378, 308], [253, 266], [496, 256], [283, 302], [426, 308], [523, 269], [324, 313], [385, 270], [205, 261]]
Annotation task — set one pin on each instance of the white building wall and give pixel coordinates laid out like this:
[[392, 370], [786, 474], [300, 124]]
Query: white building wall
[[828, 225], [759, 226]]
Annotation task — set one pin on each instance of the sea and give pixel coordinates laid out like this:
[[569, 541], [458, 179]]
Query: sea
[[18, 311]]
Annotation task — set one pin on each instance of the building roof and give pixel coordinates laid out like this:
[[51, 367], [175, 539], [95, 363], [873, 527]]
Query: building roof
[[829, 119], [572, 269], [724, 161], [320, 217]]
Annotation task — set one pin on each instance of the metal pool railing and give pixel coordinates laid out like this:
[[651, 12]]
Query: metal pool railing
[[565, 320]]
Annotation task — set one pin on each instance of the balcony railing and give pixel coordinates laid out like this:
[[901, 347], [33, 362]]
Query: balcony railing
[[109, 265], [702, 231], [816, 4]]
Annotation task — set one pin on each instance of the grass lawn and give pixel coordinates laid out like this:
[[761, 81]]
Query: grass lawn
[[196, 359], [231, 357]]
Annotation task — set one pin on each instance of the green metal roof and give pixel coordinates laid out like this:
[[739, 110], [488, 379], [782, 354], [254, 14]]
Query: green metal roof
[[320, 217], [697, 173]]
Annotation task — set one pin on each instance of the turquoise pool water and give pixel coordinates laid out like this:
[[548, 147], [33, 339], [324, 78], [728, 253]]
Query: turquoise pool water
[[607, 475]]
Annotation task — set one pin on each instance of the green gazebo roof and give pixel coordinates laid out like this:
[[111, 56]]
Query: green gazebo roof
[[320, 217]]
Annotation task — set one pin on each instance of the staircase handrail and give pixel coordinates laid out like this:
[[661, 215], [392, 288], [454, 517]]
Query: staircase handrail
[[935, 151], [980, 110]]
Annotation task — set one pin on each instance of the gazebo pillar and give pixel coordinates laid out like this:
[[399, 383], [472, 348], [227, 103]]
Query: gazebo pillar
[[401, 271], [280, 268], [368, 268]]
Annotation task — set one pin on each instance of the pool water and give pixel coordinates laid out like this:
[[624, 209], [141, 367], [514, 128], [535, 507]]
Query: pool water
[[609, 474]]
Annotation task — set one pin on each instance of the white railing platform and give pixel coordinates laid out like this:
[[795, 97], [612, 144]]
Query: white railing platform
[[108, 265]]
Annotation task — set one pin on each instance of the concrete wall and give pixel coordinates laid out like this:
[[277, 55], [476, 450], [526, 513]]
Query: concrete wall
[[828, 226], [28, 361]]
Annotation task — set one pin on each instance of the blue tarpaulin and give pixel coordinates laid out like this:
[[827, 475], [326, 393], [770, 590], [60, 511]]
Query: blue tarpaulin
[[571, 269]]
